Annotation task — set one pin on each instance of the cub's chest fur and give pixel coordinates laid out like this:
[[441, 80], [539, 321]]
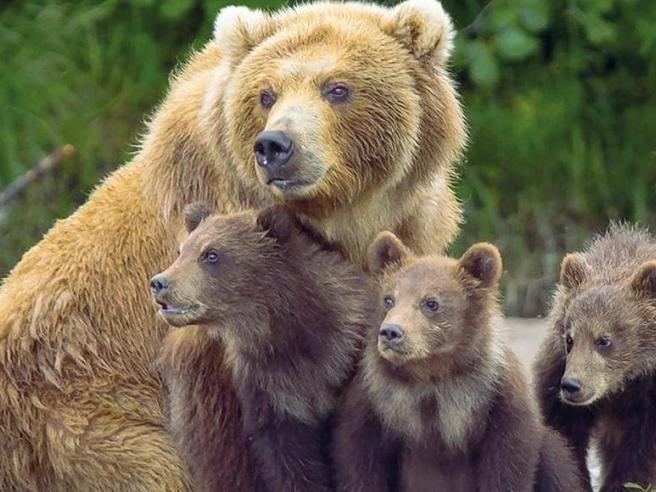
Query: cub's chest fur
[[297, 386], [450, 410]]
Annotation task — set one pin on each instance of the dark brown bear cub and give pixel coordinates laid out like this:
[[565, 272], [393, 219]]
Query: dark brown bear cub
[[440, 403], [290, 312], [595, 374]]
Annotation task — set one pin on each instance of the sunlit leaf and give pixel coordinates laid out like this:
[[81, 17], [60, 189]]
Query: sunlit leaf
[[483, 68], [516, 44]]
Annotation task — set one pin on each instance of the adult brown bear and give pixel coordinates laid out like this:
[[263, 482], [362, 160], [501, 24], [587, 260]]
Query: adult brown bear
[[344, 111]]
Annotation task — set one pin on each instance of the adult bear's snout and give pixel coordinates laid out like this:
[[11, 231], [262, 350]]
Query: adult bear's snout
[[273, 149]]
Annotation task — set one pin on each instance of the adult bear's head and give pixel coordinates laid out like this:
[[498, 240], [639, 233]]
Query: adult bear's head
[[325, 102]]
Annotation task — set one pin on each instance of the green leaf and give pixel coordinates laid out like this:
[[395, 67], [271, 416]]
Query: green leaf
[[635, 486], [175, 9], [597, 6], [501, 17], [599, 31], [516, 44], [483, 68], [535, 16]]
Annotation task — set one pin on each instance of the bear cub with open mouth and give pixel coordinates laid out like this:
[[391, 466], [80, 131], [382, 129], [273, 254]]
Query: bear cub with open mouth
[[440, 403], [290, 312]]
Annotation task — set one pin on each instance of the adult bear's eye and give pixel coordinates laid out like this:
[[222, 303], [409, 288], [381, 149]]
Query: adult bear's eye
[[267, 99], [336, 92], [388, 301], [211, 256]]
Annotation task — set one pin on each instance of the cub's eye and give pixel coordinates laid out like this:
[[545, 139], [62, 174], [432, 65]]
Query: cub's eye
[[336, 92], [569, 342], [211, 256], [431, 304], [267, 99], [604, 342], [388, 301]]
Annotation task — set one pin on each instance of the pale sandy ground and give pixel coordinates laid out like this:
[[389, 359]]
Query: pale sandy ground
[[524, 336]]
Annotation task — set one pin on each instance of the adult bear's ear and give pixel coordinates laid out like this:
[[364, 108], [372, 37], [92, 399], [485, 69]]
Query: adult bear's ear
[[194, 214], [573, 271], [644, 280], [483, 263], [423, 27], [238, 30], [277, 222], [386, 250]]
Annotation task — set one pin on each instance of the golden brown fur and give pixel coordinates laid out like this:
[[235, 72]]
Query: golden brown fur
[[80, 400]]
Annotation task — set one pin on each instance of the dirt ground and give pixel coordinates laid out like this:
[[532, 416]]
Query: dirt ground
[[524, 336]]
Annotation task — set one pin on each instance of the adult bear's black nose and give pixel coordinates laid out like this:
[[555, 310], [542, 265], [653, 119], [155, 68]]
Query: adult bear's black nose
[[570, 386], [273, 149], [390, 333], [158, 283]]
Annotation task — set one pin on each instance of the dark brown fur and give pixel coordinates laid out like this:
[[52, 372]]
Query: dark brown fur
[[609, 290], [290, 312], [448, 406]]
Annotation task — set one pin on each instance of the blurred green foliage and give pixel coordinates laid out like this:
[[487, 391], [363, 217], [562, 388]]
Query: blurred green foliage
[[560, 96]]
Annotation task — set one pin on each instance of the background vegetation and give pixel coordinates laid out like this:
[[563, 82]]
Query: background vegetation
[[560, 96]]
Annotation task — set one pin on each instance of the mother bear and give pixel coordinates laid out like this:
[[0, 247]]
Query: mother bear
[[343, 111]]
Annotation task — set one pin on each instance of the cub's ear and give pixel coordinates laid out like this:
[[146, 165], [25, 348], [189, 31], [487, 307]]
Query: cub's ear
[[483, 262], [386, 250], [194, 214], [238, 30], [644, 281], [277, 222], [573, 271], [423, 27]]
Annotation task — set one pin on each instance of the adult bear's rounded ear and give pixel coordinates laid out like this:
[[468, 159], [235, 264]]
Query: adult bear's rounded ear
[[573, 271], [238, 30], [424, 28], [277, 222], [644, 280], [483, 263], [386, 250], [194, 214]]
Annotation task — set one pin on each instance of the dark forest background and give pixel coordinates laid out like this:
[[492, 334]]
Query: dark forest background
[[560, 97]]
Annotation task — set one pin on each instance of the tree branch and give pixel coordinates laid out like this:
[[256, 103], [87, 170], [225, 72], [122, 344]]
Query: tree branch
[[47, 165]]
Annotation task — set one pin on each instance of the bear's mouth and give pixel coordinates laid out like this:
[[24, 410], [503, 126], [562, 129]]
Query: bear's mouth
[[392, 353], [579, 400], [173, 310], [284, 184]]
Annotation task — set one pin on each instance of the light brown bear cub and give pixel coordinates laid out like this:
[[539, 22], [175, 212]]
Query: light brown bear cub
[[595, 374], [440, 403], [291, 312]]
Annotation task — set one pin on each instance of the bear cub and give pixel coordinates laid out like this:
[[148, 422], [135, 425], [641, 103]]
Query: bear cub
[[595, 373], [440, 403], [290, 312]]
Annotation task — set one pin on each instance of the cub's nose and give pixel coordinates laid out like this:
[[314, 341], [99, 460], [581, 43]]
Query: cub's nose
[[390, 333], [273, 149], [571, 386], [158, 284]]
